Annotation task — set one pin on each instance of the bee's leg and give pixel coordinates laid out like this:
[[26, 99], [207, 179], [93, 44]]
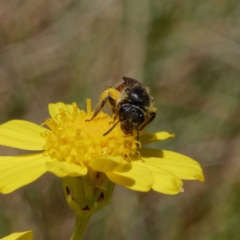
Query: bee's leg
[[114, 107], [98, 108], [152, 116], [107, 95], [112, 103]]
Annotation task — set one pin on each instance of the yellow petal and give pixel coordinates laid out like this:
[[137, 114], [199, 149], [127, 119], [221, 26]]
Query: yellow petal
[[121, 180], [63, 169], [22, 134], [141, 176], [164, 181], [147, 138], [53, 108], [180, 165], [112, 164], [19, 236], [18, 171]]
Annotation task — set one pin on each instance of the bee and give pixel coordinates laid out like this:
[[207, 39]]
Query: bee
[[131, 104]]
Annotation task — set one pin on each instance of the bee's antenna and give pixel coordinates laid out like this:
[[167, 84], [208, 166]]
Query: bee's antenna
[[109, 130], [137, 133]]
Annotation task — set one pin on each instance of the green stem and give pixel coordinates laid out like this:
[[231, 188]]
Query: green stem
[[86, 195], [82, 220]]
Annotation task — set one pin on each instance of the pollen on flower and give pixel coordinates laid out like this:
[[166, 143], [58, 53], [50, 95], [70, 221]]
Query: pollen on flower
[[75, 140]]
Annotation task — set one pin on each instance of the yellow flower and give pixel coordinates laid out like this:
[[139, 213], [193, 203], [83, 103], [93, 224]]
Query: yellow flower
[[68, 145], [19, 236]]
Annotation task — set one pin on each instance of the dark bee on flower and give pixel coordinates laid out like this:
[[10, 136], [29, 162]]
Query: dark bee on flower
[[131, 103]]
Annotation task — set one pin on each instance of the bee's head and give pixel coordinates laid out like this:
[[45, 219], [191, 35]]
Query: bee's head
[[131, 117]]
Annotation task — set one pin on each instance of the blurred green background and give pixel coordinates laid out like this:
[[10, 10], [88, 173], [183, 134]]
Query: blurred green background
[[186, 51]]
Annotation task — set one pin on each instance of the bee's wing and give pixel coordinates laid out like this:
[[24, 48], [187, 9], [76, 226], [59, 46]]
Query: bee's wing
[[128, 82]]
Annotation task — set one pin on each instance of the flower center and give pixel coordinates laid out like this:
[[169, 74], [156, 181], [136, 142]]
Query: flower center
[[75, 140]]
